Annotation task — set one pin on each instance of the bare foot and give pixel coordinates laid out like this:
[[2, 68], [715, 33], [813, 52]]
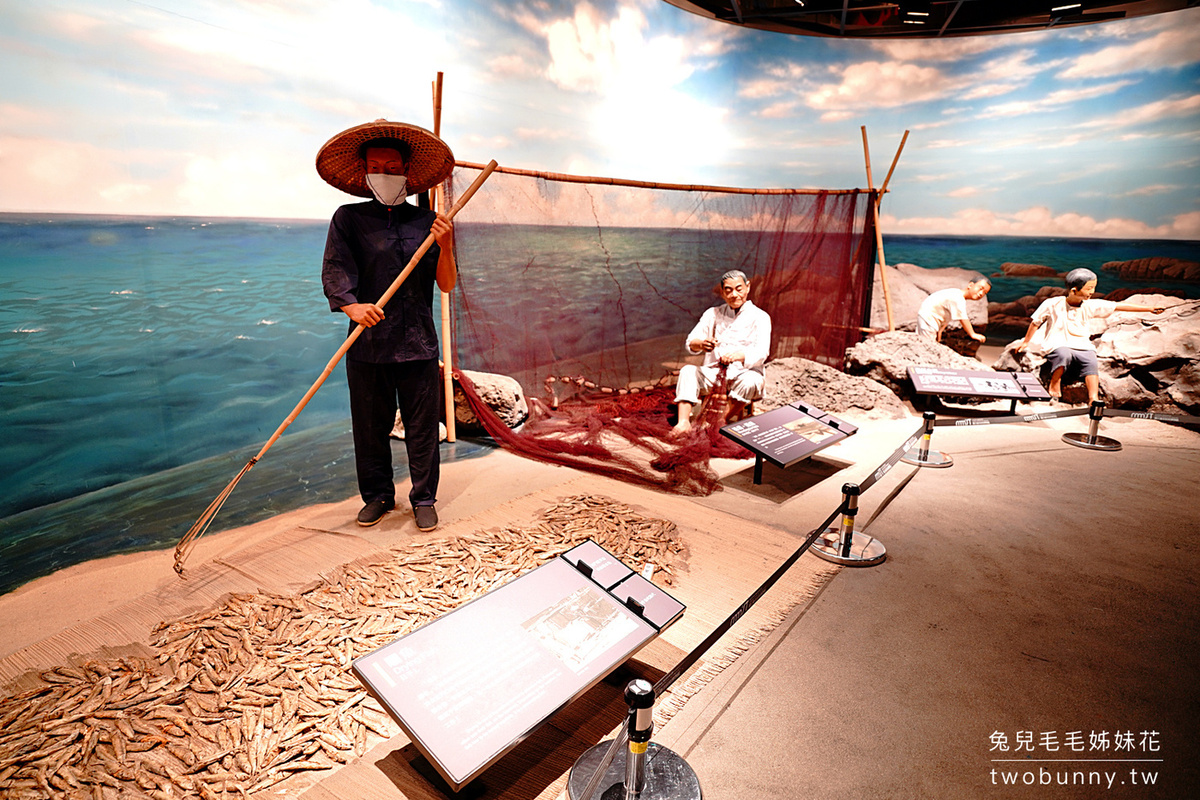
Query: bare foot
[[681, 427]]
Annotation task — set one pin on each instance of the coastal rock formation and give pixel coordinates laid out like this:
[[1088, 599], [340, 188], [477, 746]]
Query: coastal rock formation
[[1027, 270], [1013, 318], [886, 358], [1123, 294], [1155, 268], [1146, 361], [1156, 358], [502, 393], [792, 379], [909, 285]]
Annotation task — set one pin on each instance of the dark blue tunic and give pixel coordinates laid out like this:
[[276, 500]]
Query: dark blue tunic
[[369, 244]]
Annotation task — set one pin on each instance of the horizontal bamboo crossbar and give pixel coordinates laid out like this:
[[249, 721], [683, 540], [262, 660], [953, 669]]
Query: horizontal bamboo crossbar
[[677, 187]]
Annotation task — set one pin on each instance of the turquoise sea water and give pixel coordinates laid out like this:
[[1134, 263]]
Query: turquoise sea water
[[986, 253], [143, 361]]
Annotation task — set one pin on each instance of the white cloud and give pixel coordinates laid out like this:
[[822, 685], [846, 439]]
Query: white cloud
[[944, 50], [642, 122], [1156, 111], [1041, 221], [966, 191], [882, 84], [1171, 49], [122, 193], [1053, 100], [776, 79], [512, 66], [68, 176], [1153, 189], [542, 134], [985, 90], [591, 54]]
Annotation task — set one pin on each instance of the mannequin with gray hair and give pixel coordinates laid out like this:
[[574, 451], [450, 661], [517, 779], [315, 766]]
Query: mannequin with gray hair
[[735, 337], [1067, 340], [950, 305]]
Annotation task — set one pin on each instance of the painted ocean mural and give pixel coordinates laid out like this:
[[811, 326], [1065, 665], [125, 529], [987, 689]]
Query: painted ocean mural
[[144, 360]]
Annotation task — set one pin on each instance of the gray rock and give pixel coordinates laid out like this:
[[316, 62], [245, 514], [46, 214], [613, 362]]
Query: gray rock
[[886, 358], [792, 379], [1160, 353], [500, 392], [909, 285]]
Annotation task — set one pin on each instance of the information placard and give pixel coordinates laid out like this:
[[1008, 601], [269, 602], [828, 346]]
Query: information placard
[[471, 685], [789, 434], [976, 383]]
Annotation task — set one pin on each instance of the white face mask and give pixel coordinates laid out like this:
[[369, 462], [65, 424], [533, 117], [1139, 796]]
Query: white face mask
[[388, 189]]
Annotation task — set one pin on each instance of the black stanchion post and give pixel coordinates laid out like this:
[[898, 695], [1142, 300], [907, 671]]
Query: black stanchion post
[[1092, 440], [639, 696], [841, 546], [647, 772], [850, 493], [922, 456]]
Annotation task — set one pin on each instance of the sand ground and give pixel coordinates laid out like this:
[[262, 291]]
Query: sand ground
[[1033, 592]]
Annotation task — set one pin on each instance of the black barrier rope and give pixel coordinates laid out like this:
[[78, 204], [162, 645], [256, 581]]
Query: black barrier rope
[[683, 666], [665, 682], [966, 422], [1182, 419], [892, 460]]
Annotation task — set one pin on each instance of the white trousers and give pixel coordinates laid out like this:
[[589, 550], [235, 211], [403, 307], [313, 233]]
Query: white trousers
[[744, 384]]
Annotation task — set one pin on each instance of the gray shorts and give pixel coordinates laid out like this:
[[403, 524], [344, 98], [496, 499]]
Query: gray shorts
[[1074, 363]]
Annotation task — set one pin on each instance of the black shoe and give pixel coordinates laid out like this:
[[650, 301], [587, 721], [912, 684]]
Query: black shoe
[[373, 511], [426, 517]]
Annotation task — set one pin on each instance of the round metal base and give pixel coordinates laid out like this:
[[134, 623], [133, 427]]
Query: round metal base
[[865, 551], [668, 776], [1089, 443], [932, 459]]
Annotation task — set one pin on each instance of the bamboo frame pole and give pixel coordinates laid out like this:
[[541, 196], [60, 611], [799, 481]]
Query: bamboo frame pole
[[883, 189], [447, 344], [887, 297], [184, 548], [565, 178]]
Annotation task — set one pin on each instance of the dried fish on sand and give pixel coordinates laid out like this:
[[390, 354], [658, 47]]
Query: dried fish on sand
[[245, 694]]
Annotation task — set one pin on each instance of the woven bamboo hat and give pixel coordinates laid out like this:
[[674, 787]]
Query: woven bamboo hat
[[341, 165]]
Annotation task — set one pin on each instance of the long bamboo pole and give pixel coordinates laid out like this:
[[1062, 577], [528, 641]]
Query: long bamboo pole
[[879, 202], [887, 297], [680, 187], [883, 189], [183, 549], [447, 343]]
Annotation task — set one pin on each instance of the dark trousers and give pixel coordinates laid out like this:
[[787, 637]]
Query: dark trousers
[[376, 391]]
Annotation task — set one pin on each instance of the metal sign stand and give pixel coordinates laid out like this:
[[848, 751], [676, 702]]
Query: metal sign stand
[[646, 772], [1092, 440], [924, 457], [841, 546]]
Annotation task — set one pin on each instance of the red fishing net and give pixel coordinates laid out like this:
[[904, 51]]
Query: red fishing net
[[584, 290]]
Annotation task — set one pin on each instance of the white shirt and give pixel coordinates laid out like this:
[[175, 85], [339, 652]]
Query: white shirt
[[1067, 325], [941, 308], [747, 330]]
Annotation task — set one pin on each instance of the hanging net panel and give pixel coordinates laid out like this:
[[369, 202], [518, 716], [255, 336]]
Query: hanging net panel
[[584, 290]]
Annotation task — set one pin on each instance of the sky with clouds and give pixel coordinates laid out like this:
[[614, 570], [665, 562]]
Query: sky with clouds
[[218, 107]]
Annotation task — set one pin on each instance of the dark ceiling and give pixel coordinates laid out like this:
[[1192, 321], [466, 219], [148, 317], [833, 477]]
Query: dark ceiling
[[904, 19]]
